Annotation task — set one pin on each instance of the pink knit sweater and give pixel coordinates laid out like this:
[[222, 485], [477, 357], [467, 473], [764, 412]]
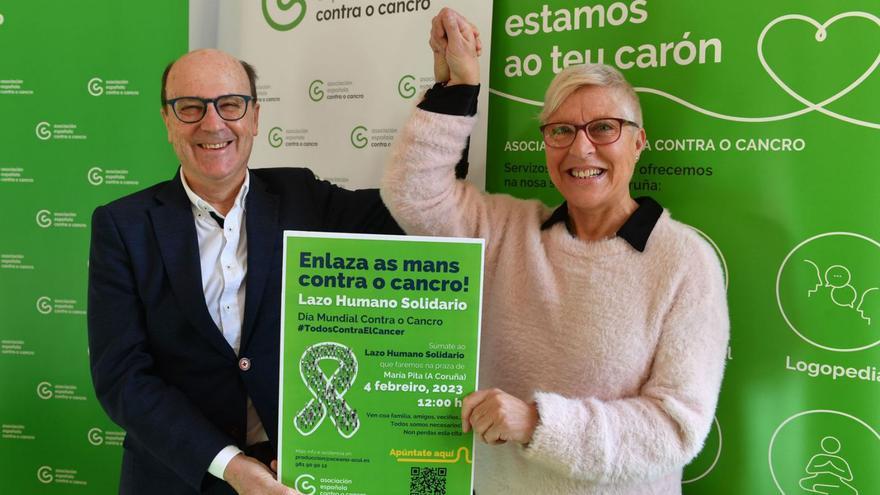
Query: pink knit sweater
[[622, 351]]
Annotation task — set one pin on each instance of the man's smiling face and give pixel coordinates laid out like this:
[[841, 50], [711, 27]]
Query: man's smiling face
[[213, 152]]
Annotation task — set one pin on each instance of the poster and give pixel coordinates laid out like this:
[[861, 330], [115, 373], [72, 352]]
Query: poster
[[380, 344]]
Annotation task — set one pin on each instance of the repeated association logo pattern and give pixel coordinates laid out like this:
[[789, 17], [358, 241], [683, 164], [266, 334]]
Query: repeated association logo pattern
[[316, 90], [50, 179], [96, 86], [44, 390], [276, 137], [95, 436], [43, 131], [44, 305], [405, 86], [358, 137], [95, 176], [45, 474], [44, 219], [98, 437]]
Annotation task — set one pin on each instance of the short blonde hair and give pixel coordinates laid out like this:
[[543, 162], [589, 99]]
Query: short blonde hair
[[577, 76]]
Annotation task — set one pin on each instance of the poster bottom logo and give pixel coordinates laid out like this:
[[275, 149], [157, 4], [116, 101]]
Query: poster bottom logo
[[303, 484]]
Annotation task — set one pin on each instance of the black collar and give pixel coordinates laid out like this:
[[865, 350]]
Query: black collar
[[635, 230]]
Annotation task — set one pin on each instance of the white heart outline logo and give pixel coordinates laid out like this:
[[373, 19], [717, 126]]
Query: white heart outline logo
[[821, 35], [810, 106]]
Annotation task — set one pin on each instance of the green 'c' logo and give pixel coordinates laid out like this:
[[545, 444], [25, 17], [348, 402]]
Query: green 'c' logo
[[275, 139], [316, 90], [358, 139], [43, 131], [405, 86], [284, 15], [95, 176], [96, 86], [45, 474]]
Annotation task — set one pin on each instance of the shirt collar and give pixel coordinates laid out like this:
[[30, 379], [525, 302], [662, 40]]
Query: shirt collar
[[635, 230], [203, 205]]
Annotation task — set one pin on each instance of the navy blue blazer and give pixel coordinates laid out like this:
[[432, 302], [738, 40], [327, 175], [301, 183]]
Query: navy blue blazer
[[160, 366]]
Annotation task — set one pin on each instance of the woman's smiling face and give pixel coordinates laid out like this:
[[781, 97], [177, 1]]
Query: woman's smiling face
[[589, 176]]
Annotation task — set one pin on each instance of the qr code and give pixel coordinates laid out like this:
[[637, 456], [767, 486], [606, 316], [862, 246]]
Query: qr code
[[427, 481]]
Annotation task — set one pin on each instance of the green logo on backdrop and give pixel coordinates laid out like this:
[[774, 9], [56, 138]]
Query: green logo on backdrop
[[95, 436], [43, 131], [44, 390], [316, 90], [94, 176], [405, 86], [45, 474], [44, 218], [358, 139], [44, 305], [95, 86], [275, 137], [284, 15]]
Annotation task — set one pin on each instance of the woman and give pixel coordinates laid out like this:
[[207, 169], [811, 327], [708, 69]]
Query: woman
[[605, 321]]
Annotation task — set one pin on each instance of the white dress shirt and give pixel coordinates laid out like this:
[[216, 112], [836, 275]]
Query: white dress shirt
[[223, 257]]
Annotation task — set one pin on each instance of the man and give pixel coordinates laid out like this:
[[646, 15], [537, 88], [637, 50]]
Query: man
[[184, 291]]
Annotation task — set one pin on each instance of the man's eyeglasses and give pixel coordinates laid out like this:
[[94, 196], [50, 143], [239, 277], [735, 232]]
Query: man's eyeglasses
[[191, 109], [599, 131]]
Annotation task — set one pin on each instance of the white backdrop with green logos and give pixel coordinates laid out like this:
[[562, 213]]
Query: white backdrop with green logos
[[338, 79]]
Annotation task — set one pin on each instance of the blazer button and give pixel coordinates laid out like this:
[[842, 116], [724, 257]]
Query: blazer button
[[244, 364]]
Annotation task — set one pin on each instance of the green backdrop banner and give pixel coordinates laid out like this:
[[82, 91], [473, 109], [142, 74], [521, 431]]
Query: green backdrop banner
[[762, 121], [79, 93]]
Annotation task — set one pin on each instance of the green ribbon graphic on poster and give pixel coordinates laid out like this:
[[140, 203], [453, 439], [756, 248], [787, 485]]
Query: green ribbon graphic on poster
[[762, 122], [380, 344]]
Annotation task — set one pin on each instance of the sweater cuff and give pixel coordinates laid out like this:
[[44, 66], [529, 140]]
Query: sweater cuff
[[559, 439], [460, 99], [447, 132]]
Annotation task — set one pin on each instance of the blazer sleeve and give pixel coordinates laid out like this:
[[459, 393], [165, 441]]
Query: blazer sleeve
[[357, 211], [153, 413]]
